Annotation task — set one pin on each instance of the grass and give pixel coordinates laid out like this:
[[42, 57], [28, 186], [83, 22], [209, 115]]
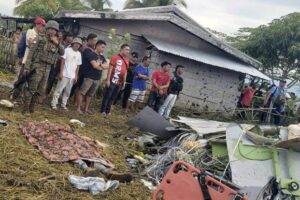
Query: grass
[[25, 174]]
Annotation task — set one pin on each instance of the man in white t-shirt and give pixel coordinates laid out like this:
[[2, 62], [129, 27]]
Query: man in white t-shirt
[[68, 76]]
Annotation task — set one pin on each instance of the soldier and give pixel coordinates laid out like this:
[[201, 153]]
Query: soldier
[[40, 59]]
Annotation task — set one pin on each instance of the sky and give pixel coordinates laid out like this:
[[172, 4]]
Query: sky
[[226, 16]]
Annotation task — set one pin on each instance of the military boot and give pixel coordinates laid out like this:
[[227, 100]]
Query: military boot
[[25, 107], [33, 102]]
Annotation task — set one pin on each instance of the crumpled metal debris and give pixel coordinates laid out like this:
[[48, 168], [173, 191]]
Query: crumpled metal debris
[[146, 140], [94, 185], [133, 163], [206, 127], [148, 120], [188, 147], [3, 122]]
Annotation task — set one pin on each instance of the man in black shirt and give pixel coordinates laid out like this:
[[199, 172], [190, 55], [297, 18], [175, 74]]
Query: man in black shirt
[[175, 88], [125, 94], [93, 62]]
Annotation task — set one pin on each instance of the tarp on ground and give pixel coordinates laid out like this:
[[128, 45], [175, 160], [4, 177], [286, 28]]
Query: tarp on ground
[[59, 144]]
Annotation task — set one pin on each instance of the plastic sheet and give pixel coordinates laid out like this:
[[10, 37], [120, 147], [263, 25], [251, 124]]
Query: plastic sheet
[[94, 185]]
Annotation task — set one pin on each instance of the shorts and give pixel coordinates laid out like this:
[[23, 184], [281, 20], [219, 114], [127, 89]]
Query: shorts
[[137, 96], [89, 87]]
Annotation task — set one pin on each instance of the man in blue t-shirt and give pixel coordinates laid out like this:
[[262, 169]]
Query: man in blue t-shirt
[[139, 85], [275, 99]]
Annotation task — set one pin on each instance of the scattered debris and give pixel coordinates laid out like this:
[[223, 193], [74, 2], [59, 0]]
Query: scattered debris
[[6, 85], [185, 182], [239, 156], [3, 123], [260, 140], [101, 145], [148, 120], [6, 103], [205, 127], [77, 122], [146, 141], [294, 131], [133, 163], [293, 144], [141, 160], [180, 148], [94, 185], [148, 184], [252, 166]]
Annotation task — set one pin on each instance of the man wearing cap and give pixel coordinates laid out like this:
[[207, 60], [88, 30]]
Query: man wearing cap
[[31, 35], [40, 58], [276, 99], [68, 75], [30, 40]]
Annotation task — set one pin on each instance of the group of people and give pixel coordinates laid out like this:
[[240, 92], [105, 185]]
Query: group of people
[[274, 102], [78, 65]]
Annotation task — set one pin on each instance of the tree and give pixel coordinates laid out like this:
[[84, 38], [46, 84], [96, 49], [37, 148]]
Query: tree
[[99, 4], [152, 3], [116, 41], [276, 45], [220, 35], [48, 8]]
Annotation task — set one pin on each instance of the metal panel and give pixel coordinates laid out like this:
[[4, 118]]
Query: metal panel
[[205, 57], [256, 173], [148, 120]]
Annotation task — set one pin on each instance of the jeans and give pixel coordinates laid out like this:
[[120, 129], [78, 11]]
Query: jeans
[[110, 95], [276, 112], [65, 85], [155, 100], [169, 103], [124, 95]]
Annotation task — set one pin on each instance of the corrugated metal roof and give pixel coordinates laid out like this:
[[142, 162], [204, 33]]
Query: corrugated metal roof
[[163, 13], [206, 57]]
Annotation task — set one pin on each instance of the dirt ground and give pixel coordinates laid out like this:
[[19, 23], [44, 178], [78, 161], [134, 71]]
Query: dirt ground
[[26, 175]]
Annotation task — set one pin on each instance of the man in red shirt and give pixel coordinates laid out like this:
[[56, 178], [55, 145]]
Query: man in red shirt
[[160, 84], [116, 78], [246, 101]]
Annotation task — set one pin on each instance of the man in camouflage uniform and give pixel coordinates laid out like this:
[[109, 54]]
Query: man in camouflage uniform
[[40, 59]]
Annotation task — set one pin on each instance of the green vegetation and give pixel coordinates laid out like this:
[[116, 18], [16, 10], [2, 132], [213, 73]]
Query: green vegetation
[[47, 9], [116, 41], [152, 3], [276, 45]]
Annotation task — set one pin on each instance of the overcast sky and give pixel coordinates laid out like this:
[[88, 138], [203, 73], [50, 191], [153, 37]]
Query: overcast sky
[[222, 15]]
